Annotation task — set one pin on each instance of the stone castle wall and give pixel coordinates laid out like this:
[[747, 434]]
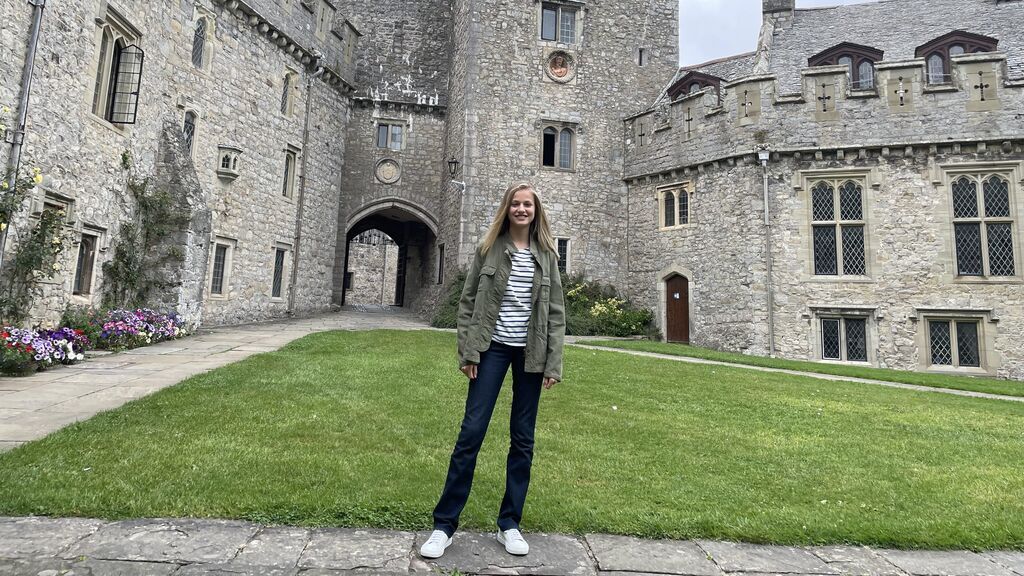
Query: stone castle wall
[[237, 98], [372, 268]]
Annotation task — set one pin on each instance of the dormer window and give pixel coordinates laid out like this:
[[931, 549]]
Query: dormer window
[[859, 61], [937, 53], [227, 165], [693, 82]]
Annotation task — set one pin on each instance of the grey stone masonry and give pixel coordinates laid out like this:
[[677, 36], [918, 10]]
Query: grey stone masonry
[[54, 546]]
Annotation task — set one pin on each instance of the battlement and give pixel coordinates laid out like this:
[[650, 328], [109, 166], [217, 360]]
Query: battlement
[[978, 102]]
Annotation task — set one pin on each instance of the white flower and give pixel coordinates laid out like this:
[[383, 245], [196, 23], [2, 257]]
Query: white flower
[[5, 110]]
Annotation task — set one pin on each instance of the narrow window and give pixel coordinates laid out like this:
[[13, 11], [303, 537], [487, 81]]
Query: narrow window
[[563, 254], [396, 137], [102, 70], [275, 291], [549, 22], [684, 207], [848, 62], [225, 162], [382, 136], [126, 78], [288, 187], [288, 93], [199, 43], [548, 156], [830, 344], [640, 57], [220, 256], [670, 209], [188, 130], [83, 269], [567, 25], [440, 263], [565, 149], [936, 69], [865, 75]]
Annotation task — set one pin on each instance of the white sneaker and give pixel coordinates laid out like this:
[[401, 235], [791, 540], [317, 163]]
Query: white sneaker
[[435, 545], [514, 542]]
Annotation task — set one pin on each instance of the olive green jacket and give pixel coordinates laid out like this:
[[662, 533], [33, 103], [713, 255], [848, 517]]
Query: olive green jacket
[[481, 302]]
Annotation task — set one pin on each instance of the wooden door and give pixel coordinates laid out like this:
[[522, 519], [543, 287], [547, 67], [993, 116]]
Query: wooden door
[[677, 309]]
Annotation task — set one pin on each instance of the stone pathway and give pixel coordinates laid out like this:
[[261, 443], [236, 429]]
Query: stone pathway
[[193, 547]]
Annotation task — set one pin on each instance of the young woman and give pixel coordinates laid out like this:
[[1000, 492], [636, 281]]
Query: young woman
[[511, 315]]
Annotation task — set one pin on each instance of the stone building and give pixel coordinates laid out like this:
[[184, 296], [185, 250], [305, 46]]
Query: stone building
[[884, 226]]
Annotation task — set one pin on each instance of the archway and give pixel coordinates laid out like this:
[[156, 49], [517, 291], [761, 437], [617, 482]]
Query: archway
[[413, 231]]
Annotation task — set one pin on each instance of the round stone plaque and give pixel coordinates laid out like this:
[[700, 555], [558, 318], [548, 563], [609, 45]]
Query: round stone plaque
[[388, 171]]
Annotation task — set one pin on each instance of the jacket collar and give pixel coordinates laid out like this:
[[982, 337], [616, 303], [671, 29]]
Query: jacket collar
[[505, 240]]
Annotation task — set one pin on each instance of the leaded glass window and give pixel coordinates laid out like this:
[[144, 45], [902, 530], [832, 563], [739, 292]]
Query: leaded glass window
[[278, 281], [684, 207], [983, 226], [220, 256], [565, 149], [936, 69], [199, 43], [844, 338], [670, 209], [288, 185], [188, 130], [954, 343], [865, 76], [286, 94], [563, 254], [838, 228]]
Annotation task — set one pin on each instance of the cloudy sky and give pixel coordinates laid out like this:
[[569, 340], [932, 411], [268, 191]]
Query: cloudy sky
[[710, 29]]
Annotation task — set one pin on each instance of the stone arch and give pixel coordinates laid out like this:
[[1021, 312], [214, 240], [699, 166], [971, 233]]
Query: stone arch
[[412, 227], [663, 276]]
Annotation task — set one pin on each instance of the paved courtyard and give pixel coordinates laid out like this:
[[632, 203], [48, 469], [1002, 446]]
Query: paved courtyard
[[32, 407]]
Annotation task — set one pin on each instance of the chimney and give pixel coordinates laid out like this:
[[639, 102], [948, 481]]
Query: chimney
[[779, 7]]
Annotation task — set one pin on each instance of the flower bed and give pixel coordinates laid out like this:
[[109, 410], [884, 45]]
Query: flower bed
[[26, 350]]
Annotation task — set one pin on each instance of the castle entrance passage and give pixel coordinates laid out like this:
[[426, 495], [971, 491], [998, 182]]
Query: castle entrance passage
[[677, 309], [400, 235]]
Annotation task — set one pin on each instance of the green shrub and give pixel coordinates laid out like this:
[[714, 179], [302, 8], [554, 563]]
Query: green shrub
[[592, 309], [85, 319]]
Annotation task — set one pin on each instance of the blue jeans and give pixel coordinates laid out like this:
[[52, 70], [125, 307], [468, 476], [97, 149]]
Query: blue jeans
[[483, 393]]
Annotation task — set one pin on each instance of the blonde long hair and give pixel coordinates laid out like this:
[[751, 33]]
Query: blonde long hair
[[540, 231]]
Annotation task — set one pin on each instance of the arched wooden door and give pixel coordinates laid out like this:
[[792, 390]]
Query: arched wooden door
[[677, 309]]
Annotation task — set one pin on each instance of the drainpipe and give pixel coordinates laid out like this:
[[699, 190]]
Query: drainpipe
[[18, 134], [296, 250], [763, 154]]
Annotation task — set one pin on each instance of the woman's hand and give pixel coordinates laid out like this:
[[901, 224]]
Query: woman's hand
[[469, 370], [549, 382]]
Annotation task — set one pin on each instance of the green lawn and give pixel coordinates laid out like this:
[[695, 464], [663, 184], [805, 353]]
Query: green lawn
[[990, 385], [355, 429]]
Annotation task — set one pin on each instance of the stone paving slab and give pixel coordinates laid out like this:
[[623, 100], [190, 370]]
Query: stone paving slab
[[480, 553], [856, 561], [351, 549], [737, 557], [84, 567], [274, 546], [29, 537], [183, 540], [1011, 560], [621, 553], [924, 563], [230, 570]]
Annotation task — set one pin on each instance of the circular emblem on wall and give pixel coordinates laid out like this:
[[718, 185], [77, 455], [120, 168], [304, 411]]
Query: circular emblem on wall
[[560, 66], [388, 171]]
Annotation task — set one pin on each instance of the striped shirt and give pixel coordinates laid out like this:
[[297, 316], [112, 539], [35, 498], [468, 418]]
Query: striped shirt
[[514, 316]]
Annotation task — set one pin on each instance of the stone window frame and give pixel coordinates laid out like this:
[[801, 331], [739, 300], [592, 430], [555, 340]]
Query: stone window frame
[[440, 264], [325, 15], [559, 5], [941, 48], [100, 235], [227, 269], [803, 182], [676, 190], [289, 91], [285, 249], [987, 326], [821, 313], [560, 130], [229, 155], [391, 124], [190, 139], [113, 29], [289, 176], [1013, 172], [209, 38], [857, 55], [563, 255]]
